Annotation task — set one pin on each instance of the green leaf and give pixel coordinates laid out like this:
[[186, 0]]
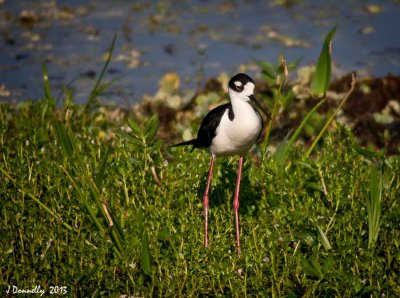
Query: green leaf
[[145, 255], [329, 264], [322, 75], [303, 123], [294, 64], [98, 87], [369, 154], [136, 130], [151, 128], [374, 206], [47, 90], [281, 152], [104, 86], [332, 116], [267, 67], [311, 269], [163, 234], [96, 293], [65, 140], [325, 240], [100, 173]]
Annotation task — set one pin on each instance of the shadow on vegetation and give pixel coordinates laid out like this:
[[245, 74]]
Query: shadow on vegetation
[[223, 187]]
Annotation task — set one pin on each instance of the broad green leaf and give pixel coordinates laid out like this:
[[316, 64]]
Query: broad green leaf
[[145, 255], [322, 75]]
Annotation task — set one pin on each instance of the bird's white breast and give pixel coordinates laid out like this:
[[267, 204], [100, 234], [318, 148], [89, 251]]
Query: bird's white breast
[[237, 136]]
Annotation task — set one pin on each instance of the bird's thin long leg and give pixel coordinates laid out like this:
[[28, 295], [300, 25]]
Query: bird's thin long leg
[[236, 203], [205, 202]]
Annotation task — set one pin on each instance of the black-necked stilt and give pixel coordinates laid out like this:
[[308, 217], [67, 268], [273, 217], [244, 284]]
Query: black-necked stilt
[[229, 129]]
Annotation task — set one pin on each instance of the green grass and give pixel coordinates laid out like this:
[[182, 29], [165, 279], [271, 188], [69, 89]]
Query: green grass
[[67, 174], [95, 201]]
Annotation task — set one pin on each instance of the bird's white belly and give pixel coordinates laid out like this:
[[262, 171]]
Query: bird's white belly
[[237, 136]]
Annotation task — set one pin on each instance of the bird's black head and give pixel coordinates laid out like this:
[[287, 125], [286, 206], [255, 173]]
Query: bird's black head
[[238, 82], [241, 88]]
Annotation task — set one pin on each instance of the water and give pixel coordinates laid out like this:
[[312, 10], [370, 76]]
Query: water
[[196, 39]]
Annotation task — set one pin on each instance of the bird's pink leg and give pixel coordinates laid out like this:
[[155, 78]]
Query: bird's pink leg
[[205, 202], [236, 203]]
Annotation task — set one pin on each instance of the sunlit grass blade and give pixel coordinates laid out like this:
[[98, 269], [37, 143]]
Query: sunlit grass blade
[[325, 240], [374, 206], [322, 75]]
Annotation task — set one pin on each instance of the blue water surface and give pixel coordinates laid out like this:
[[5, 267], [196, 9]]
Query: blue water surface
[[196, 39]]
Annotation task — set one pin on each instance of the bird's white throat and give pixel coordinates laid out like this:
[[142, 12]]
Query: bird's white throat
[[238, 135]]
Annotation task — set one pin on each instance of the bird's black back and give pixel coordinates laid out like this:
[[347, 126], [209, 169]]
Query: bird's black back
[[210, 123]]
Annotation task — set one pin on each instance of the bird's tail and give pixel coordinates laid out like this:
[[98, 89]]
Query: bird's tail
[[190, 142]]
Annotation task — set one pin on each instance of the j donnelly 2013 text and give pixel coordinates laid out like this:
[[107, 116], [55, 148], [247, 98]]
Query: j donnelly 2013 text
[[59, 290]]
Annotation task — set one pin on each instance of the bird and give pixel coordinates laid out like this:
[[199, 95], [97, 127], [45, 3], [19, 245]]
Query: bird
[[228, 130]]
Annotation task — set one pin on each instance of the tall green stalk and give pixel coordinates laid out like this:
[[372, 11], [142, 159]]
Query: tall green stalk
[[277, 99], [330, 119]]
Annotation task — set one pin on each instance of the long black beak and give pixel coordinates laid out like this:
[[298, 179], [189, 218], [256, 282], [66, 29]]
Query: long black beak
[[253, 99]]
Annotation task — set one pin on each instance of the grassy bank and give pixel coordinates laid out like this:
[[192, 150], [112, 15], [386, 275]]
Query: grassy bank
[[95, 201]]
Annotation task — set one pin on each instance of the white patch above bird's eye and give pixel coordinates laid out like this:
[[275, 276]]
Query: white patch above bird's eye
[[238, 83]]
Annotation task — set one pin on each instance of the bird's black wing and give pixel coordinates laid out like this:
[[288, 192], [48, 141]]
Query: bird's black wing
[[209, 125]]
